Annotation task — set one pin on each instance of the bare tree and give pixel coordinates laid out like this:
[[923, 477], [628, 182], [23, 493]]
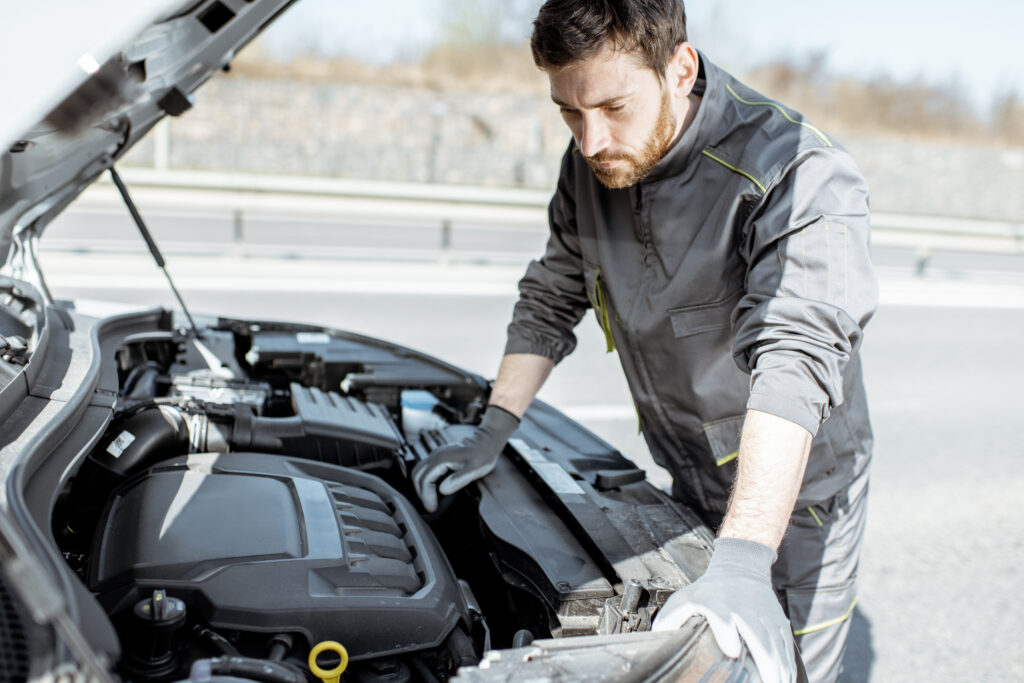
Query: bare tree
[[1008, 118]]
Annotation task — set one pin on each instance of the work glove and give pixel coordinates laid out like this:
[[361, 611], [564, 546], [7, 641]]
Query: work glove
[[735, 596], [451, 467]]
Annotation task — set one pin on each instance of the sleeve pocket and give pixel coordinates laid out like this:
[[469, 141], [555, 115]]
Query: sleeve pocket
[[814, 262], [691, 320]]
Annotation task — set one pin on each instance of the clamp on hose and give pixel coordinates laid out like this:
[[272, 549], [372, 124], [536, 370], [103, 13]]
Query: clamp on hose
[[328, 675]]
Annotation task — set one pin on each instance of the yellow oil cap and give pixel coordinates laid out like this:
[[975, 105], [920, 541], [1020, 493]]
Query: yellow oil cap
[[328, 675]]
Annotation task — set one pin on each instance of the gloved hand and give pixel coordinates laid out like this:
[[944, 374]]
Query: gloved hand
[[457, 464], [735, 596]]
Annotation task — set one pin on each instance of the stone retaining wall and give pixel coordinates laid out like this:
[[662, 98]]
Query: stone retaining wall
[[509, 140]]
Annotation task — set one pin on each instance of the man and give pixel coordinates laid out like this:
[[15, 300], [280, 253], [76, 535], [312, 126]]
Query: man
[[723, 243]]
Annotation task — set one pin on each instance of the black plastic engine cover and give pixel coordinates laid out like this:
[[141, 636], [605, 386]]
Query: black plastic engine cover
[[264, 543]]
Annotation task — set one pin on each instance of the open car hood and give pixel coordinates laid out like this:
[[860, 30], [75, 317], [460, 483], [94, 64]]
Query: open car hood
[[93, 85]]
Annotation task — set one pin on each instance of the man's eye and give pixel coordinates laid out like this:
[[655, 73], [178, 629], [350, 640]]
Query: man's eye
[[566, 111], [617, 107]]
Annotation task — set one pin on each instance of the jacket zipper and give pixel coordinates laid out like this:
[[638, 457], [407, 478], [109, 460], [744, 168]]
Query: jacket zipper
[[641, 366]]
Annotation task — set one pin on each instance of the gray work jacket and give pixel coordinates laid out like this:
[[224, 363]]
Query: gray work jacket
[[735, 276]]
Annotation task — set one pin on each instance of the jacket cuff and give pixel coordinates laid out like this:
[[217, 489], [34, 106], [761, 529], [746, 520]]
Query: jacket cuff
[[780, 406], [552, 351], [790, 384]]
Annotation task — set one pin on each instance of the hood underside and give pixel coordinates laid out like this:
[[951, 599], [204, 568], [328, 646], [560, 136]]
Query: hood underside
[[113, 104]]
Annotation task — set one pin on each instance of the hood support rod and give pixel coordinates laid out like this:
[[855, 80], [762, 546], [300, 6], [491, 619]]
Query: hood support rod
[[151, 243]]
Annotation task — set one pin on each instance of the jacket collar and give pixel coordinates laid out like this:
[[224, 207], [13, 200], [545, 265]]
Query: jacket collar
[[710, 86]]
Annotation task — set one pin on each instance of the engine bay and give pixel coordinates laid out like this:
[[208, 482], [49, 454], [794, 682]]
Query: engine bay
[[249, 500]]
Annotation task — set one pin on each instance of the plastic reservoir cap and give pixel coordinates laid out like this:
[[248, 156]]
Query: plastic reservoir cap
[[418, 399], [328, 675]]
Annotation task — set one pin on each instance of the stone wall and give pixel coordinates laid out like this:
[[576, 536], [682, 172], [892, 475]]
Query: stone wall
[[510, 140]]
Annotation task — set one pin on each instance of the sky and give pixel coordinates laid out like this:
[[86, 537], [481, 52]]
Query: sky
[[973, 46]]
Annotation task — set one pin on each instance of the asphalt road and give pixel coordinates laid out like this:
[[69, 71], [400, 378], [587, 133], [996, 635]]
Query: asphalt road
[[942, 565]]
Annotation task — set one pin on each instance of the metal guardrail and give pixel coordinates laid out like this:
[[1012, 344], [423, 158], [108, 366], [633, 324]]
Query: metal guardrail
[[241, 195]]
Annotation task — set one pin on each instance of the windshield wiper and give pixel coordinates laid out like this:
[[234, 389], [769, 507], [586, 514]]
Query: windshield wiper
[[151, 243]]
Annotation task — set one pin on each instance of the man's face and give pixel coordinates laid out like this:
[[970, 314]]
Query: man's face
[[621, 114]]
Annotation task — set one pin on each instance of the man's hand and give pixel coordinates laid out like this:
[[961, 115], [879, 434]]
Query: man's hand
[[451, 467], [735, 596]]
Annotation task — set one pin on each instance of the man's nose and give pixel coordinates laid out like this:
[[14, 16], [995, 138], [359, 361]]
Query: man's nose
[[594, 134]]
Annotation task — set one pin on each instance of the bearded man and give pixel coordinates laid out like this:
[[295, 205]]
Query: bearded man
[[723, 243]]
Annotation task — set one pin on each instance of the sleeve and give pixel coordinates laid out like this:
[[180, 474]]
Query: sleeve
[[552, 294], [810, 288]]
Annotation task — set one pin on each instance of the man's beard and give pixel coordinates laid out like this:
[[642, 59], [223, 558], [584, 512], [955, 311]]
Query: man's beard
[[637, 166]]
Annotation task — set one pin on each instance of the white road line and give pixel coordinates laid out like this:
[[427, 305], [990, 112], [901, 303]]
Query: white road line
[[621, 411], [950, 294], [67, 273]]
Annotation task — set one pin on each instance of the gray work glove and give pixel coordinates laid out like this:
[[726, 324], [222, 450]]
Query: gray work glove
[[735, 596], [451, 467]]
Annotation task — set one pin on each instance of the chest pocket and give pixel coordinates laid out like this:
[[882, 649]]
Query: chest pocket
[[690, 320], [599, 302]]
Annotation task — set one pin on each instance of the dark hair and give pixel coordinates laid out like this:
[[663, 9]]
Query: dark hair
[[569, 31]]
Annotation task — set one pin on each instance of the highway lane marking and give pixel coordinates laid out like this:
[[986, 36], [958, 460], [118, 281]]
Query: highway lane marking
[[114, 273], [946, 294], [611, 411]]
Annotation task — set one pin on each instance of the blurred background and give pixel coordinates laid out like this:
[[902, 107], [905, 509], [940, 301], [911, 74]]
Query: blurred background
[[927, 96], [384, 168]]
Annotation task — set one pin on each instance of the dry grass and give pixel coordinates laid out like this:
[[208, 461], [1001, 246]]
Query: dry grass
[[501, 68], [845, 105], [881, 106]]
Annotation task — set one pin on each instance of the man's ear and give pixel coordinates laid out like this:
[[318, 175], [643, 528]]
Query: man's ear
[[682, 69]]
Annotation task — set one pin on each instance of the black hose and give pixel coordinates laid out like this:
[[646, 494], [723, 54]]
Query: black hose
[[522, 638], [262, 670], [280, 646], [136, 373], [132, 444], [268, 432], [222, 644]]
